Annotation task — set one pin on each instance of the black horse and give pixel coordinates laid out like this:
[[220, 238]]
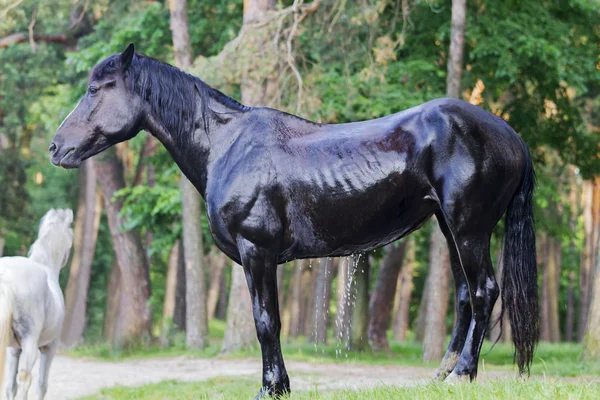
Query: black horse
[[278, 187]]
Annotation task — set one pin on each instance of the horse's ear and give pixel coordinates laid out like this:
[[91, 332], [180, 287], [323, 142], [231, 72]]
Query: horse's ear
[[68, 216], [127, 56]]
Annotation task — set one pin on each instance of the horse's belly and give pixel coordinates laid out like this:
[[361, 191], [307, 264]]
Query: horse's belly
[[359, 224]]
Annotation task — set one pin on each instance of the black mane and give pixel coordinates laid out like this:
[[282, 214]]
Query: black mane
[[170, 93]]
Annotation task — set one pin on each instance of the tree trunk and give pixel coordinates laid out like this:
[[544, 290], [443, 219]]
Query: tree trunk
[[360, 307], [171, 284], [292, 318], [240, 331], [322, 295], [87, 223], [591, 342], [422, 314], [221, 312], [179, 316], [113, 302], [543, 245], [403, 293], [252, 91], [2, 240], [457, 42], [585, 273], [280, 283], [382, 300], [499, 330], [553, 287], [310, 293], [305, 283], [570, 319], [437, 302], [135, 281], [196, 314], [218, 260]]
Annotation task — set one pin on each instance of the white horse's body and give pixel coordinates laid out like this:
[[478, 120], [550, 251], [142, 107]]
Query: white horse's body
[[32, 305]]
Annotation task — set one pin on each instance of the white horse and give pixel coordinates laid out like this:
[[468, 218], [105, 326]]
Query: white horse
[[32, 305]]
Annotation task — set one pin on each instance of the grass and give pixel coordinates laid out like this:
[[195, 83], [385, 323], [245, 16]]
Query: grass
[[244, 388]]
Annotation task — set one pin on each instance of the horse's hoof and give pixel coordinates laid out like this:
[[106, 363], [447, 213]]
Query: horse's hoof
[[455, 378], [272, 393]]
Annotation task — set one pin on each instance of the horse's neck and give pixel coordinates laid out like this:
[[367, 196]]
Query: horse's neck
[[192, 157], [41, 256]]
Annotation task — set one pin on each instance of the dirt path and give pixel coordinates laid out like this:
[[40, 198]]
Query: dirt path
[[71, 378]]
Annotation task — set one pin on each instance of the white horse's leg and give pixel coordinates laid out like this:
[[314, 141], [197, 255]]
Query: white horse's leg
[[12, 362], [26, 361], [47, 355]]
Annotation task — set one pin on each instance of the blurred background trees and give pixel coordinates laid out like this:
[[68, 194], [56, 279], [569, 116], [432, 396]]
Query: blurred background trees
[[535, 63]]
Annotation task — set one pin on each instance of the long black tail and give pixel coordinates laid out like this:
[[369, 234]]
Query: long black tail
[[519, 276]]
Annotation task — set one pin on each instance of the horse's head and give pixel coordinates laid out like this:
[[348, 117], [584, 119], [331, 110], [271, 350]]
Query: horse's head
[[55, 239], [110, 112]]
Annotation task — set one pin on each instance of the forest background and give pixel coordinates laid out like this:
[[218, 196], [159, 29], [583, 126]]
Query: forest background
[[536, 63]]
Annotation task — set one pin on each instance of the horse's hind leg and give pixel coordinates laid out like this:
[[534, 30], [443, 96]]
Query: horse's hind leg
[[47, 355], [463, 305], [12, 362], [474, 252], [28, 357]]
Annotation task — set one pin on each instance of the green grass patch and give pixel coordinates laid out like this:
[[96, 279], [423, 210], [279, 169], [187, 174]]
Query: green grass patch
[[245, 388]]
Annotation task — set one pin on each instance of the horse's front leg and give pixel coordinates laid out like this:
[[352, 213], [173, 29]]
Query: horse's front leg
[[47, 355], [260, 267]]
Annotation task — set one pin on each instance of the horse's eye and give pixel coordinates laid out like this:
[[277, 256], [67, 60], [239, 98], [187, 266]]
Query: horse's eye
[[93, 90]]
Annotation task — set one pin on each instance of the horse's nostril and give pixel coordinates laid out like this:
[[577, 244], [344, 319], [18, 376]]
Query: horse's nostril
[[52, 147]]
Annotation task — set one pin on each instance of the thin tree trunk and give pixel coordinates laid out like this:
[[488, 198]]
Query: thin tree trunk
[[286, 315], [135, 280], [591, 341], [179, 315], [240, 331], [221, 312], [322, 295], [422, 314], [585, 273], [438, 294], [570, 319], [2, 240], [280, 283], [196, 313], [171, 284], [294, 299], [554, 256], [457, 44], [310, 295], [87, 223], [382, 300], [217, 269], [360, 307], [303, 299], [401, 319], [543, 241]]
